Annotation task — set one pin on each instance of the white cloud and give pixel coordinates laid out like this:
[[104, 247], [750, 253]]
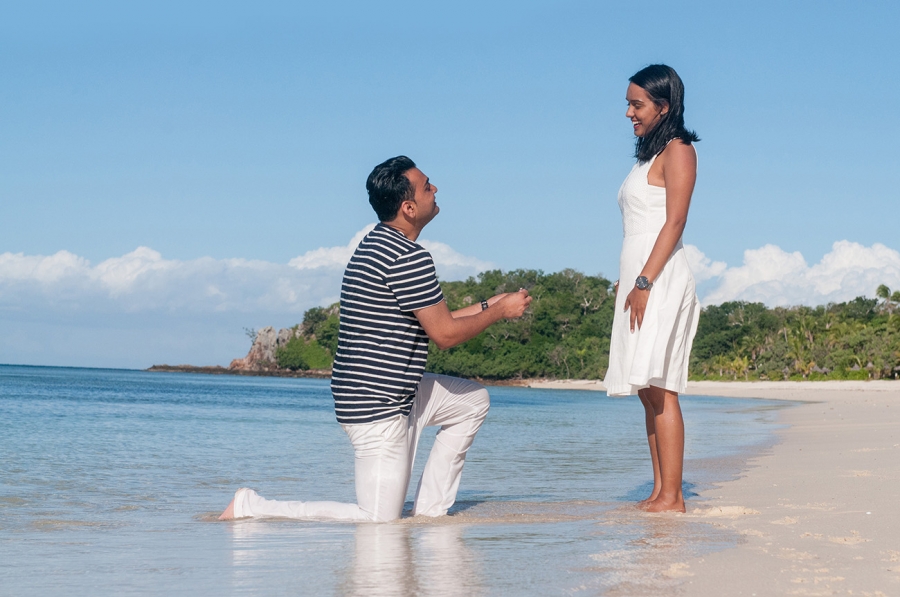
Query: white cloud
[[121, 275], [777, 278], [702, 266], [450, 264], [143, 280], [330, 257], [140, 308], [19, 267]]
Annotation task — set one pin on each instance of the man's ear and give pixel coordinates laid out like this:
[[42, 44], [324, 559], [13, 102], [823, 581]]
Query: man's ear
[[408, 209]]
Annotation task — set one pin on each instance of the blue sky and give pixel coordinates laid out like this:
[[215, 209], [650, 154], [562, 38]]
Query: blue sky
[[227, 140]]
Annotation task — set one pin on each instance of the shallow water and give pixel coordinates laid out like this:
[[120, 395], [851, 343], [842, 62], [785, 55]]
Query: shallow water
[[110, 482]]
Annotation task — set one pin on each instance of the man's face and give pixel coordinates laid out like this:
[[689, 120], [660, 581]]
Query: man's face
[[426, 204]]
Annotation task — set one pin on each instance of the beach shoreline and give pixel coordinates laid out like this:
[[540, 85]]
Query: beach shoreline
[[802, 391], [815, 512]]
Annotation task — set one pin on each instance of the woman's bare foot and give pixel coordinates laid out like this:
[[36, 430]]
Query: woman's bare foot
[[228, 514], [644, 503], [660, 505]]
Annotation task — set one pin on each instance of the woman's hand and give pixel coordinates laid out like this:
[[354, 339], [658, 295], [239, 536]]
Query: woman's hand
[[637, 301]]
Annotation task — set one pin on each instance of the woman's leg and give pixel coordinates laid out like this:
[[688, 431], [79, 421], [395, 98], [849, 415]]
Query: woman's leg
[[650, 423], [669, 426]]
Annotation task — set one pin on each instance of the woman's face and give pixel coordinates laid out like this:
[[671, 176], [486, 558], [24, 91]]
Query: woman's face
[[642, 112]]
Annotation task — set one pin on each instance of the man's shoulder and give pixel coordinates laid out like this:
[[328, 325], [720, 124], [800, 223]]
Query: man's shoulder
[[387, 245]]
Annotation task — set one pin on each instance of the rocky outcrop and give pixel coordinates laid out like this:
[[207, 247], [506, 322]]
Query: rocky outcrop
[[262, 354], [284, 336]]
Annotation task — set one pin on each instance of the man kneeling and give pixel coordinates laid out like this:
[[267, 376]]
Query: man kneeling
[[391, 304]]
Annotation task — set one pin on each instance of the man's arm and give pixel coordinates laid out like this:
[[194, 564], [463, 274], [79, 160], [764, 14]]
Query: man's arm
[[476, 308], [448, 329]]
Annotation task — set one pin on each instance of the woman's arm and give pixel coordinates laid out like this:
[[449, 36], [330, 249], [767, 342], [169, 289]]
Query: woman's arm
[[679, 173]]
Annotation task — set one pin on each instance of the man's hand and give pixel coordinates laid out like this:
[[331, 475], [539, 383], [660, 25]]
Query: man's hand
[[637, 300], [512, 304]]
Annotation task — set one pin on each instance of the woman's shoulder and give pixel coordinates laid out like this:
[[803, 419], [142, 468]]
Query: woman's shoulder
[[679, 152], [678, 145]]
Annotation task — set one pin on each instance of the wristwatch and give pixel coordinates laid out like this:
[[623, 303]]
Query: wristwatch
[[642, 283], [484, 305]]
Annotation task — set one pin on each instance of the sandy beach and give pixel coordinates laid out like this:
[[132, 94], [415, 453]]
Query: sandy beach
[[817, 512]]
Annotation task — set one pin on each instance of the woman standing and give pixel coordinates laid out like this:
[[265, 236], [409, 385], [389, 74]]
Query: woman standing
[[656, 315]]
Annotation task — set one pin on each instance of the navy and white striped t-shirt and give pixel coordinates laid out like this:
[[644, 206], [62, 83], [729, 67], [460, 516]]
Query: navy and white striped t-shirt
[[382, 347]]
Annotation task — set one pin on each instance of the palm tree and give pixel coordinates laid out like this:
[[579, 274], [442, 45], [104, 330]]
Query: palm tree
[[753, 345], [741, 366], [722, 363], [890, 300], [798, 354]]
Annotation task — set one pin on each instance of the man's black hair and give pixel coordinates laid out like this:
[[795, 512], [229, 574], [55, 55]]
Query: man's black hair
[[388, 186]]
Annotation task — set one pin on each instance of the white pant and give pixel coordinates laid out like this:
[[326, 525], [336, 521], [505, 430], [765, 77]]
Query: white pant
[[385, 453]]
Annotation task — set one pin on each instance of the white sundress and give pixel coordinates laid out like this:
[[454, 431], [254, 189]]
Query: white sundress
[[658, 353]]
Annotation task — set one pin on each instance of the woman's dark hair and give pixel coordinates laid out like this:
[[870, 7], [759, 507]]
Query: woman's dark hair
[[664, 87], [388, 187]]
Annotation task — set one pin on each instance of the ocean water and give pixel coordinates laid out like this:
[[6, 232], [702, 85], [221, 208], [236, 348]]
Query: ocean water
[[111, 481]]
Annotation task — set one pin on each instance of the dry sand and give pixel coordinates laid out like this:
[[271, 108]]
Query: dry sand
[[818, 512]]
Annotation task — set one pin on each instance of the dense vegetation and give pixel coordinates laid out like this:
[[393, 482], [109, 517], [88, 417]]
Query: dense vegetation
[[314, 343], [565, 334], [859, 339]]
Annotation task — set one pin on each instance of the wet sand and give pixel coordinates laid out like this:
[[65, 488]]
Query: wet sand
[[817, 512]]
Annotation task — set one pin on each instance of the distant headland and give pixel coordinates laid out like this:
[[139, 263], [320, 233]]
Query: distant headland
[[565, 335], [219, 370]]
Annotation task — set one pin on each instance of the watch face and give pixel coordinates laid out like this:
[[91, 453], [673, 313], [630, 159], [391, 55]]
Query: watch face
[[642, 283]]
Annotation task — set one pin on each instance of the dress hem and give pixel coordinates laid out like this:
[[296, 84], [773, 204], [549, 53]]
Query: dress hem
[[632, 390]]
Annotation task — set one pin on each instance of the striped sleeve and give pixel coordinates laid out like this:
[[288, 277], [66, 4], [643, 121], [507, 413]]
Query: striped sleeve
[[413, 280]]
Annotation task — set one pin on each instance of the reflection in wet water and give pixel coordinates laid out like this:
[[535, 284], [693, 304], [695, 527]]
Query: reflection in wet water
[[383, 563], [386, 560], [399, 560]]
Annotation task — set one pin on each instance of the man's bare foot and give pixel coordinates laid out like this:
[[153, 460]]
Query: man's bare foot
[[228, 514], [659, 505]]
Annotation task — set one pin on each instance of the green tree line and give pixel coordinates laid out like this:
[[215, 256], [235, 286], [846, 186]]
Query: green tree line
[[565, 335], [858, 339], [314, 343]]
